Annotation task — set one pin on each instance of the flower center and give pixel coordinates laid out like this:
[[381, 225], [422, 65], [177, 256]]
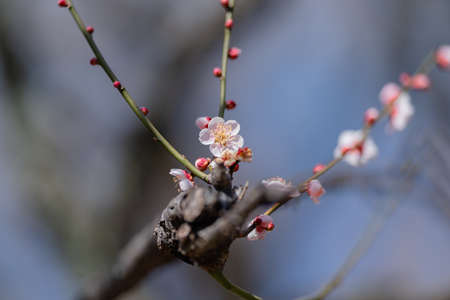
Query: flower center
[[222, 134]]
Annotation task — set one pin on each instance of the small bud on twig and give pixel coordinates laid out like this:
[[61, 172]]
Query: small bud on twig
[[90, 29], [234, 53], [229, 24], [117, 84], [62, 3], [144, 110], [93, 61], [230, 104], [217, 72]]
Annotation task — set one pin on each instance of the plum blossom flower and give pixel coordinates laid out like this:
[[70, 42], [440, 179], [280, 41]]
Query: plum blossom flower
[[221, 136], [389, 93], [355, 153], [263, 223], [281, 185], [182, 178], [442, 57], [315, 190], [202, 122], [401, 112], [371, 115], [228, 158]]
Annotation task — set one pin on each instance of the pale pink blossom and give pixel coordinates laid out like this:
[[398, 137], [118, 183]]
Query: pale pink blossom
[[442, 57], [221, 136], [401, 112], [263, 223], [202, 122], [281, 185], [356, 154], [418, 81], [389, 93], [245, 154], [182, 178], [228, 158], [315, 190]]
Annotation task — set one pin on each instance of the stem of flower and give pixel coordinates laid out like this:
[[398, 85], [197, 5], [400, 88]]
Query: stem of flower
[[128, 99], [226, 47], [223, 281]]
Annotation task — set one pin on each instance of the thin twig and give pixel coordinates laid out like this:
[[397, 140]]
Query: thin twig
[[424, 68], [367, 239], [223, 281], [225, 49], [128, 99]]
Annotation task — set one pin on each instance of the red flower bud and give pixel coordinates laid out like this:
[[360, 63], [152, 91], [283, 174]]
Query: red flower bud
[[117, 84], [90, 29], [62, 3], [230, 104], [225, 3], [144, 110], [229, 24], [234, 53], [217, 72], [317, 168], [93, 61], [371, 116], [202, 163]]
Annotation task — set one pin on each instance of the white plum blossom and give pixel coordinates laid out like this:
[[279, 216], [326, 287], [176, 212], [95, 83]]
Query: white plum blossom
[[263, 223], [182, 178], [389, 93], [315, 190], [221, 136], [401, 112], [279, 184], [349, 144]]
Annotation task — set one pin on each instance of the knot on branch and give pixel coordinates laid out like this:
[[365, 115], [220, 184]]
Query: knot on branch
[[199, 226]]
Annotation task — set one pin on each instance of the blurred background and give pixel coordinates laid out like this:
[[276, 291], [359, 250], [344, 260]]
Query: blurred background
[[79, 175]]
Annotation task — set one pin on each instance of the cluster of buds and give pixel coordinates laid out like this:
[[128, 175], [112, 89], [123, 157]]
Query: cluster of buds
[[263, 224], [419, 82], [442, 57]]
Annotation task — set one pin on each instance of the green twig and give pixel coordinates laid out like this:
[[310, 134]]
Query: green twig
[[223, 281], [128, 99], [226, 47]]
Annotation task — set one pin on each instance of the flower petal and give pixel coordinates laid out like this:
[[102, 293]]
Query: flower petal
[[185, 185], [178, 173], [235, 127], [216, 149], [255, 235], [206, 137], [214, 122], [235, 141]]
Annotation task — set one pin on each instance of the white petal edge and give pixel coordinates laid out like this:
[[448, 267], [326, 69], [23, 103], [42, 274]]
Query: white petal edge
[[206, 136]]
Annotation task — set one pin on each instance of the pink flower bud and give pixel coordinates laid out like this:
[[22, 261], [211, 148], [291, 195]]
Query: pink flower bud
[[225, 3], [144, 110], [315, 190], [371, 116], [389, 93], [262, 224], [93, 61], [318, 168], [442, 57], [202, 163], [234, 53], [202, 122], [420, 82], [230, 104], [117, 84], [90, 29], [62, 3], [217, 72], [229, 24]]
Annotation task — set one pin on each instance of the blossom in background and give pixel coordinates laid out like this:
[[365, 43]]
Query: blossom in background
[[389, 93], [279, 184], [221, 136], [356, 153], [315, 190], [182, 178], [202, 122], [263, 223], [442, 57], [418, 81], [371, 116], [401, 112]]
